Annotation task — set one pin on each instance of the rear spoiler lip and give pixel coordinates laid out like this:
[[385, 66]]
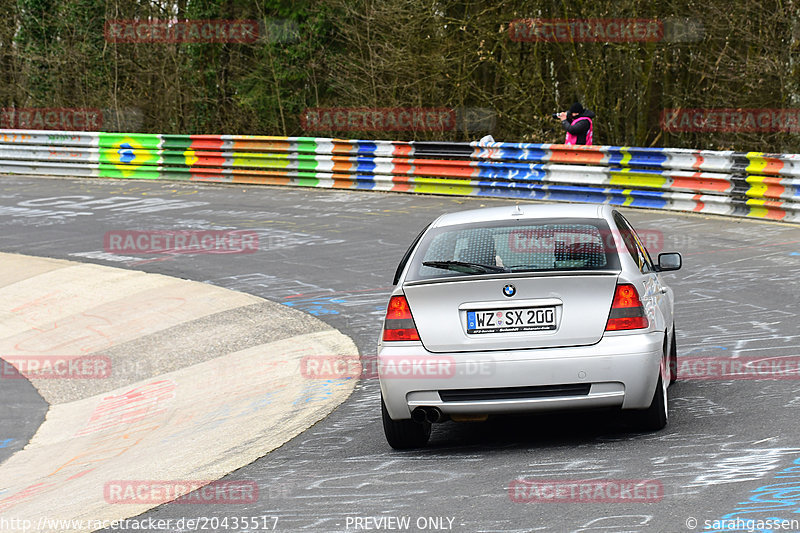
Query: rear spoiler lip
[[513, 275]]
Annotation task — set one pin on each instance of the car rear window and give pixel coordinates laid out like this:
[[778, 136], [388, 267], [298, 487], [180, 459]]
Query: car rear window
[[525, 246]]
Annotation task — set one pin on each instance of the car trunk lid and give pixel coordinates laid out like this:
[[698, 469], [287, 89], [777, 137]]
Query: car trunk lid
[[512, 312]]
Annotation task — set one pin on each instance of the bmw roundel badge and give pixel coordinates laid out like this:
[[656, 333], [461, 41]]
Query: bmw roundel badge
[[509, 290]]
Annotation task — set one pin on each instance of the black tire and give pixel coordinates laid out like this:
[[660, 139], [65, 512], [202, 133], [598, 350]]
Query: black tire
[[404, 434], [673, 359], [654, 417]]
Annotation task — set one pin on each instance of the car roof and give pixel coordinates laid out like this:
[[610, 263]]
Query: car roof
[[524, 212]]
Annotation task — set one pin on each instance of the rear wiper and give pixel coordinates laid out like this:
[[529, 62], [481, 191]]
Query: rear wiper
[[465, 267]]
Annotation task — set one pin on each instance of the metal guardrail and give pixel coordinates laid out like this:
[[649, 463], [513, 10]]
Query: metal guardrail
[[746, 184]]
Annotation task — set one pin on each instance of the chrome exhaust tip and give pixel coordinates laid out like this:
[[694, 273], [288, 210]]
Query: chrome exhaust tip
[[434, 414], [419, 415]]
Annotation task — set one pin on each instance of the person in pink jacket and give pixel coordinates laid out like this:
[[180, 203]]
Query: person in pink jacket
[[577, 122]]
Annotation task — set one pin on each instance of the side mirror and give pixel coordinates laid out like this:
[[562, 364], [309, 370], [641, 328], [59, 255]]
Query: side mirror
[[669, 261]]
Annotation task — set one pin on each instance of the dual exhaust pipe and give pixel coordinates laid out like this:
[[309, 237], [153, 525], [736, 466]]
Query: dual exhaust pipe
[[427, 414]]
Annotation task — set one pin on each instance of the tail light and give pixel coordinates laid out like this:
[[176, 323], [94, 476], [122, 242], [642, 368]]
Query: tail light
[[627, 311], [399, 324]]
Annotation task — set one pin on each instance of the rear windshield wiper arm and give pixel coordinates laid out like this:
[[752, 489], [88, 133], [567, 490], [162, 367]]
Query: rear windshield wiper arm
[[465, 267]]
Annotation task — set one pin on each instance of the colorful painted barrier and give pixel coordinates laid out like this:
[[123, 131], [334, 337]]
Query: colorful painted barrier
[[748, 184]]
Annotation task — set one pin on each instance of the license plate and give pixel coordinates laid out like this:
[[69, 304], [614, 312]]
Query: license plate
[[511, 320]]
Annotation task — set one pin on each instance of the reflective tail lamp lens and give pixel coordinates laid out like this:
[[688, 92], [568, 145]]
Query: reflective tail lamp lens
[[399, 324], [627, 311]]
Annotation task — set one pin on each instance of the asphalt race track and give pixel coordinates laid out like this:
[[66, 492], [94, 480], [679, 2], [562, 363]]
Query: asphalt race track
[[332, 254]]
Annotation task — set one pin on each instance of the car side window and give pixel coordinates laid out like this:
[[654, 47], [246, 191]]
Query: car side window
[[627, 237], [633, 244], [648, 262]]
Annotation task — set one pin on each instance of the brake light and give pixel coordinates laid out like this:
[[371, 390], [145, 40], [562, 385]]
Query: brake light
[[399, 324], [627, 311]]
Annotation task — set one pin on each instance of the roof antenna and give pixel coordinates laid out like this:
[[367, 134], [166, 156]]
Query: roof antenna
[[517, 211]]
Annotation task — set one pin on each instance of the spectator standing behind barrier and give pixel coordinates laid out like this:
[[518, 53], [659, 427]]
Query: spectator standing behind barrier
[[577, 122]]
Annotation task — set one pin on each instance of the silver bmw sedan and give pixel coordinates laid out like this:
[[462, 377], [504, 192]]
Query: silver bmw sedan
[[523, 309]]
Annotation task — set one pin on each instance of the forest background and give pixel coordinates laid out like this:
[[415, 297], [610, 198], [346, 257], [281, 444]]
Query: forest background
[[465, 56]]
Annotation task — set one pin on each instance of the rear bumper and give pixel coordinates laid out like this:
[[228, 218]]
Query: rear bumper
[[621, 371]]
